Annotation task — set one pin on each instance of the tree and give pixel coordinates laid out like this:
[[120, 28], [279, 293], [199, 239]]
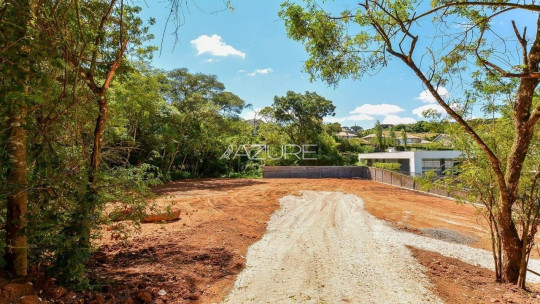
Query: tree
[[357, 128], [204, 110], [267, 114], [96, 56], [392, 139], [303, 114], [476, 177], [333, 128], [50, 46], [379, 138], [62, 143], [17, 48], [360, 39], [404, 139]]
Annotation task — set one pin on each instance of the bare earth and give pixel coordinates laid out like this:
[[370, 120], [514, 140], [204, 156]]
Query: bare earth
[[323, 247], [197, 258]]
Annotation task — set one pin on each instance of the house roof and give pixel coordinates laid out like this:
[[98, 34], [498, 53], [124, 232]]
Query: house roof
[[346, 134], [370, 136]]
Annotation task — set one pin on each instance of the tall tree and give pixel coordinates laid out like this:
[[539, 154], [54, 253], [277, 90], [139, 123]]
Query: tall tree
[[358, 39], [96, 52], [404, 139], [379, 138], [16, 61], [392, 139], [303, 114], [87, 41]]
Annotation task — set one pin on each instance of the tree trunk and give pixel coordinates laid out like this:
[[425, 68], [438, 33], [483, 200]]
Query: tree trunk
[[511, 244], [17, 199], [89, 206], [99, 130], [19, 20]]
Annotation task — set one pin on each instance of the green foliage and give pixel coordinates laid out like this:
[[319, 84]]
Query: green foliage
[[364, 37], [404, 139], [354, 145], [160, 124], [302, 114], [427, 181], [333, 128], [379, 139], [324, 38], [392, 139], [388, 166]]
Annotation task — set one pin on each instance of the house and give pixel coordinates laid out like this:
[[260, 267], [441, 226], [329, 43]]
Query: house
[[411, 139], [345, 135], [415, 162]]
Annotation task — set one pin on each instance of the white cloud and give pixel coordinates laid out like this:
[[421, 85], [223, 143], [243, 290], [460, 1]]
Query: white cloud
[[378, 109], [355, 117], [396, 120], [365, 112], [426, 97], [251, 114], [215, 46], [241, 71], [432, 107], [260, 71]]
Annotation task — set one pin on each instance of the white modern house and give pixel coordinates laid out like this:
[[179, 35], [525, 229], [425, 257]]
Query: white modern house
[[415, 162]]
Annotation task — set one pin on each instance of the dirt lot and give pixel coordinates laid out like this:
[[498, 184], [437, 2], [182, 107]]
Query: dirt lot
[[196, 259]]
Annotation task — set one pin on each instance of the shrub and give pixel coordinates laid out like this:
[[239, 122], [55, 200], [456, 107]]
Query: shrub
[[388, 166]]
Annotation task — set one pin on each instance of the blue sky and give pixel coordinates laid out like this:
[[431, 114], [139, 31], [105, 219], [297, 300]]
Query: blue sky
[[249, 51]]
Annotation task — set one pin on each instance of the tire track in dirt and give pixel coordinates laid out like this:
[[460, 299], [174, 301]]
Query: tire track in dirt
[[323, 247]]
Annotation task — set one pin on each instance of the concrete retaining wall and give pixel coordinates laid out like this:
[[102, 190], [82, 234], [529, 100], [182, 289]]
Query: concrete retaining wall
[[370, 173], [314, 172]]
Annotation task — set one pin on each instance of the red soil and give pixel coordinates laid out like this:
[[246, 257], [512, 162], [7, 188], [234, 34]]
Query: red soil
[[196, 259]]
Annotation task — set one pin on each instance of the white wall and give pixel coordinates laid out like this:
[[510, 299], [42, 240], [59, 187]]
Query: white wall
[[415, 157]]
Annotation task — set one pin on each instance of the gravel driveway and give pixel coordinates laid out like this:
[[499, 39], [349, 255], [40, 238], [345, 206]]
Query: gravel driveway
[[323, 247]]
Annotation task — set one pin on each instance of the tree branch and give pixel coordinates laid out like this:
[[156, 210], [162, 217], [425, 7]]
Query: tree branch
[[114, 66], [523, 41], [98, 41], [529, 7], [494, 160]]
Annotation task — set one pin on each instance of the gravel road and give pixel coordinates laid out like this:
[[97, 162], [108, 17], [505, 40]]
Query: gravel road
[[323, 247]]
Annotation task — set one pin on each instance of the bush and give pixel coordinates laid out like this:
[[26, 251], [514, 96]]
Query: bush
[[388, 166], [350, 159]]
